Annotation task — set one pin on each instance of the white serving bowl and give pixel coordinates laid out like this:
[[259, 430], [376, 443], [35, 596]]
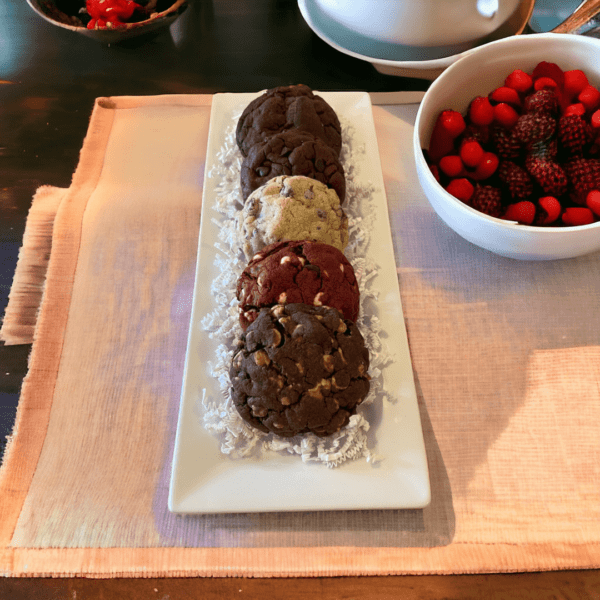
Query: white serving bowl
[[476, 74], [158, 20]]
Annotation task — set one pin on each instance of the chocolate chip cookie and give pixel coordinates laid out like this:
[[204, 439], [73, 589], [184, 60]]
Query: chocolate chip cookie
[[299, 369], [292, 208], [292, 152], [288, 107], [300, 271]]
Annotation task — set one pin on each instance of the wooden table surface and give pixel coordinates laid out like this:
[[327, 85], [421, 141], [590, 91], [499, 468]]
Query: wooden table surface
[[49, 78]]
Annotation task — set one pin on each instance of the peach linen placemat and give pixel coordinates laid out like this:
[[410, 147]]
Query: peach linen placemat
[[506, 359]]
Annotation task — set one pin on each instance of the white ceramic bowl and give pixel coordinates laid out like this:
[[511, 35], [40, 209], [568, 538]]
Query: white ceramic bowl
[[156, 21], [476, 74]]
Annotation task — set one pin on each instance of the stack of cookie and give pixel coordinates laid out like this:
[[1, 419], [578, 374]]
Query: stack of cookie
[[301, 363]]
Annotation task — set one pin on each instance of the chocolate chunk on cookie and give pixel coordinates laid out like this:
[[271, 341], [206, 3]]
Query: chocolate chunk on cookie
[[298, 272], [292, 152], [288, 107], [299, 369], [292, 208]]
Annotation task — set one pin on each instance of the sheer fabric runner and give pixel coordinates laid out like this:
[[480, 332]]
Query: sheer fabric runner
[[506, 359]]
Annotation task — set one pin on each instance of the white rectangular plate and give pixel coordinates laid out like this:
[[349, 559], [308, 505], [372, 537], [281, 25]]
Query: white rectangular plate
[[203, 479]]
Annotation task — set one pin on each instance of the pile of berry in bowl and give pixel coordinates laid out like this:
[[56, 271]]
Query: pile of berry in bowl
[[507, 146], [110, 20]]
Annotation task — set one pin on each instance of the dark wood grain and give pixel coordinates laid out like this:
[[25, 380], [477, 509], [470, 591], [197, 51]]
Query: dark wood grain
[[568, 585]]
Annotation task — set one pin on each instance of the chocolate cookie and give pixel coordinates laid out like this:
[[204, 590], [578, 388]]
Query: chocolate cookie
[[299, 271], [292, 152], [299, 369], [288, 107], [292, 208]]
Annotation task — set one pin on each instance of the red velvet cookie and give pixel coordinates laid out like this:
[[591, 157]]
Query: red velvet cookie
[[301, 271], [288, 107]]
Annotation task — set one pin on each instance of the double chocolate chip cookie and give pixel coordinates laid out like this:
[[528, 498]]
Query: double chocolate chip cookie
[[284, 108], [300, 271], [292, 152], [299, 369]]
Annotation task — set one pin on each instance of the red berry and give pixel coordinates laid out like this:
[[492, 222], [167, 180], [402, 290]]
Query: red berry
[[471, 153], [505, 115], [550, 70], [523, 212], [575, 109], [481, 112], [577, 215], [552, 207], [453, 122], [550, 176], [519, 80], [486, 167], [506, 94], [593, 201], [595, 119], [440, 143], [574, 134], [544, 101], [461, 189], [516, 179], [589, 97], [435, 171], [451, 165], [488, 200], [575, 81], [544, 83]]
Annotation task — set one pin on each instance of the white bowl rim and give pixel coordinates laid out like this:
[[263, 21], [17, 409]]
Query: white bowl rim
[[472, 54]]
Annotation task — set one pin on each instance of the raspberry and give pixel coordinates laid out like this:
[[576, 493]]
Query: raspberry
[[516, 179], [592, 201], [545, 101], [544, 83], [506, 95], [589, 97], [461, 189], [575, 81], [481, 112], [453, 122], [435, 172], [486, 168], [551, 70], [451, 165], [471, 153], [573, 134], [595, 120], [550, 176], [584, 176], [551, 206], [488, 200], [519, 80], [523, 212], [505, 143], [575, 109], [449, 125], [534, 126], [505, 114], [441, 143], [577, 215]]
